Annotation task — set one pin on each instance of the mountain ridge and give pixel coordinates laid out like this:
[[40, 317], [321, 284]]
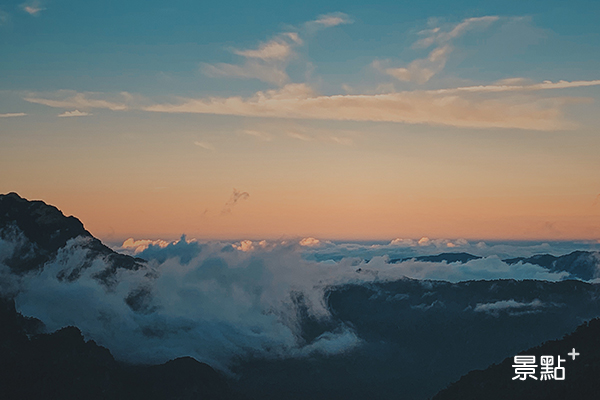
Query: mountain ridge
[[40, 230]]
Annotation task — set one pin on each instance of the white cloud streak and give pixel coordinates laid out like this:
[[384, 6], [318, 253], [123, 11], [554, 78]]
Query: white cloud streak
[[422, 70], [509, 306], [268, 62], [273, 50], [439, 36], [328, 20], [10, 115], [546, 85], [70, 99], [494, 106], [32, 8], [204, 145], [265, 137], [299, 136], [75, 113], [413, 107]]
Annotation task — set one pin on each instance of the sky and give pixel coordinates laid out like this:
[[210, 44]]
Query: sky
[[349, 120]]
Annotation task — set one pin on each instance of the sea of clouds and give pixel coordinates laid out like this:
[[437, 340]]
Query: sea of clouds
[[221, 302]]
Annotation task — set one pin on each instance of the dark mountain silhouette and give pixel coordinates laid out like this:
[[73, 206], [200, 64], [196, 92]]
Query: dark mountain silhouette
[[580, 264], [581, 375], [41, 230], [62, 365]]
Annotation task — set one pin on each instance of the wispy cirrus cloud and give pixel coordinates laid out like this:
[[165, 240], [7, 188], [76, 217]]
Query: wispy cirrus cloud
[[69, 99], [440, 36], [341, 137], [204, 145], [75, 113], [326, 21], [10, 115], [422, 70], [32, 8], [264, 136], [332, 19], [507, 87], [299, 136], [273, 50], [268, 62]]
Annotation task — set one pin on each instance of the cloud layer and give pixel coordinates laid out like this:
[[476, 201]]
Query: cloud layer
[[221, 301], [211, 301]]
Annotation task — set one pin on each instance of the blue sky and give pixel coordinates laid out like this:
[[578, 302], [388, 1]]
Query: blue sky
[[110, 45]]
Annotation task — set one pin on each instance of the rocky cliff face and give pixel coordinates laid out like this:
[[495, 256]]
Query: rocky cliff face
[[36, 232]]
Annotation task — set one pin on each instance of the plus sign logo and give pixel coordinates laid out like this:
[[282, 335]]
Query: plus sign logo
[[573, 353]]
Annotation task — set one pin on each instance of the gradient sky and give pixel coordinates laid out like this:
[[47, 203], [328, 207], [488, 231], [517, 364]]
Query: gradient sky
[[338, 120]]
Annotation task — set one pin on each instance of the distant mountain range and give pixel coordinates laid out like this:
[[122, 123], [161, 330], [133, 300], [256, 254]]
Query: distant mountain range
[[580, 264], [583, 265], [416, 336]]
